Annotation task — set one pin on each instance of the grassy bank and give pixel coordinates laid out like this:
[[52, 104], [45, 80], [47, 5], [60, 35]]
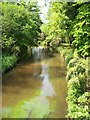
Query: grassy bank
[[77, 75], [8, 62]]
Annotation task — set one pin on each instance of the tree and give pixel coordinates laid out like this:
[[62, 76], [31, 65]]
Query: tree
[[21, 26]]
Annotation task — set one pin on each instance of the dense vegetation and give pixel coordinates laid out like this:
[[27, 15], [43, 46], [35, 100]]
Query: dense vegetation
[[69, 26], [77, 76], [69, 23], [20, 31]]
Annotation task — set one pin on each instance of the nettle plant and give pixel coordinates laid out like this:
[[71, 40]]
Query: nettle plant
[[81, 109], [75, 67], [78, 98]]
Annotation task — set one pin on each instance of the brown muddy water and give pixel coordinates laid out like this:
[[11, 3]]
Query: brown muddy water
[[40, 80]]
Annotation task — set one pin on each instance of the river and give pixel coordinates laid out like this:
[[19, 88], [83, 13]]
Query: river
[[36, 88]]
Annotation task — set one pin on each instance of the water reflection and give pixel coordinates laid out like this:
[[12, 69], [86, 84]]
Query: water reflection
[[38, 53], [47, 88]]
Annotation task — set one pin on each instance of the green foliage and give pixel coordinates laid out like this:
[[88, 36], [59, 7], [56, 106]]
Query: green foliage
[[56, 28], [78, 98], [80, 110], [69, 23], [20, 26], [8, 61], [81, 30], [69, 56], [20, 30]]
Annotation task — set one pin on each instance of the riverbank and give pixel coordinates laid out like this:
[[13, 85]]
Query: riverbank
[[8, 62], [78, 98]]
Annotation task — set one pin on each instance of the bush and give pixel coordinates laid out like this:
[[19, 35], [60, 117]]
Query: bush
[[69, 56], [81, 30], [77, 75], [8, 61], [75, 67], [77, 98], [81, 109]]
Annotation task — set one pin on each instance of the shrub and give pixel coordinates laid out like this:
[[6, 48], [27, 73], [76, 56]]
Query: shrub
[[78, 98], [81, 109], [75, 67], [8, 61], [69, 56]]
